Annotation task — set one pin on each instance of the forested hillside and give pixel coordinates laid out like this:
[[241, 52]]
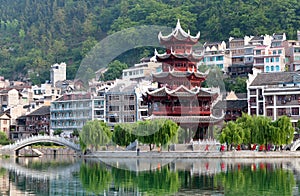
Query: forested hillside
[[36, 34]]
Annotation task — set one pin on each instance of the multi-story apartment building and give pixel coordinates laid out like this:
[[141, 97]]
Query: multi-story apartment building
[[71, 111], [216, 54], [266, 53], [274, 94], [121, 103], [236, 46], [269, 59]]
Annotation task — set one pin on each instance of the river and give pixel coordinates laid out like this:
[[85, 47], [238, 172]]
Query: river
[[68, 175]]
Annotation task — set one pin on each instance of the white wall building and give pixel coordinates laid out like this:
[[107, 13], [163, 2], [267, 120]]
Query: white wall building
[[58, 72]]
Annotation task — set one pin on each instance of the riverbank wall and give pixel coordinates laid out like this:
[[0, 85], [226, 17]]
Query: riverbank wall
[[194, 154]]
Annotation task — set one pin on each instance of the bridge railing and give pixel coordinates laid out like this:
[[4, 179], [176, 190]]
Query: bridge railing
[[41, 138]]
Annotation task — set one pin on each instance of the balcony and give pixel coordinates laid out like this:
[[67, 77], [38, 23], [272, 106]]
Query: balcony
[[181, 110]]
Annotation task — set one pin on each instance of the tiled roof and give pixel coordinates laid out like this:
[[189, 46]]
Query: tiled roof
[[181, 91], [188, 56], [189, 119], [274, 78], [179, 34], [178, 74], [44, 110]]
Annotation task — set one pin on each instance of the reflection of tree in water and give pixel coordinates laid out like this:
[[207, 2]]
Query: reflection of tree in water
[[256, 179], [154, 182], [239, 179], [97, 178], [94, 177]]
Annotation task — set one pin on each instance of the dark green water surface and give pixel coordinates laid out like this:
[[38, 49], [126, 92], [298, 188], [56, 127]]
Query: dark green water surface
[[63, 175]]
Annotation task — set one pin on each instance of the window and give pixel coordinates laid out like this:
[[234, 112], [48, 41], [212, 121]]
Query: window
[[297, 50], [258, 52], [279, 51], [274, 51], [267, 60], [281, 111], [295, 111], [219, 58], [114, 119], [129, 97], [113, 108], [272, 68], [277, 68], [128, 107], [267, 68], [129, 118], [277, 59], [114, 97], [269, 112]]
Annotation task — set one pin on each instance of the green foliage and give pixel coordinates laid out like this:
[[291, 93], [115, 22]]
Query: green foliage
[[123, 135], [114, 70], [238, 85], [95, 178], [75, 133], [258, 129], [95, 134], [57, 132], [4, 139], [67, 30], [159, 132], [247, 182]]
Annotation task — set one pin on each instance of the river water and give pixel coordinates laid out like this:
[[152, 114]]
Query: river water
[[67, 175]]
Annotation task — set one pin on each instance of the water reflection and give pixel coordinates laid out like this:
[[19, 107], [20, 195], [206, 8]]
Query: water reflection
[[71, 176]]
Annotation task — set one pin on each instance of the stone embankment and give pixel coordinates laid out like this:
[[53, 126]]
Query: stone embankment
[[194, 154]]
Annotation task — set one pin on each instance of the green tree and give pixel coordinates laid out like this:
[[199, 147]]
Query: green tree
[[4, 139], [284, 134], [232, 134], [123, 135], [159, 132], [114, 70], [95, 134]]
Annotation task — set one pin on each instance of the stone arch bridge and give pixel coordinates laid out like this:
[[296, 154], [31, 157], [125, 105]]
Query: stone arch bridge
[[19, 144]]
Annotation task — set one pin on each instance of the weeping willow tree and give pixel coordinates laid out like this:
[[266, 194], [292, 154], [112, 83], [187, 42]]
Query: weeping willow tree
[[95, 134], [233, 134], [258, 129], [159, 132]]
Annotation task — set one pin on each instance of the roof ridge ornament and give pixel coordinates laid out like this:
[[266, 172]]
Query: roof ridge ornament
[[178, 26]]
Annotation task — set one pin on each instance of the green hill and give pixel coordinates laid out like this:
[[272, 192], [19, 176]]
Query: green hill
[[36, 34]]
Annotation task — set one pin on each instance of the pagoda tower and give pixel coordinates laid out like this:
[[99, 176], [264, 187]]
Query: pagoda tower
[[179, 95]]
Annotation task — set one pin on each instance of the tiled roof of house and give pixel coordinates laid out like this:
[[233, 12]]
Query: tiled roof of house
[[273, 78], [44, 110]]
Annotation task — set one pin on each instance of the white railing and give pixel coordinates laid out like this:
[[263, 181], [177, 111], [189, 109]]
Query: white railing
[[41, 138]]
